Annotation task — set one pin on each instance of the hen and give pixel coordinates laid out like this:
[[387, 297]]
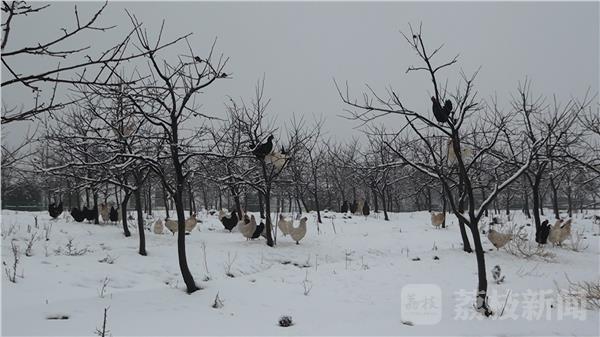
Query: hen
[[261, 150], [299, 232], [438, 111], [77, 214], [437, 219], [284, 225], [190, 223], [54, 210], [247, 226], [498, 239], [229, 222]]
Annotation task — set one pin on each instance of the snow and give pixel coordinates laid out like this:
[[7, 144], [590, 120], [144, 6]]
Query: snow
[[357, 276]]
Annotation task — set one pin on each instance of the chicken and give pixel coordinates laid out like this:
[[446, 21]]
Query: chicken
[[559, 233], [261, 150], [260, 230], [90, 214], [366, 210], [104, 212], [299, 232], [353, 207], [77, 214], [554, 236], [344, 208], [247, 226], [359, 207], [284, 225], [438, 111], [190, 223], [498, 239], [541, 235], [113, 214], [278, 159], [158, 226], [55, 210], [437, 219], [228, 222], [172, 225]]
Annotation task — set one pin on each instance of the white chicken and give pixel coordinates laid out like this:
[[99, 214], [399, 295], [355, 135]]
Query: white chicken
[[171, 225], [247, 226], [437, 219], [190, 223], [299, 232], [158, 226], [498, 239], [284, 225]]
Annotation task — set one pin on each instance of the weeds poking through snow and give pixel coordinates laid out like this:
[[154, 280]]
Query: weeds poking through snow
[[108, 259], [285, 321], [307, 284], [577, 241], [11, 271], [218, 303], [30, 242], [586, 292], [229, 263], [102, 291], [203, 245], [10, 231], [47, 231], [71, 249], [103, 332]]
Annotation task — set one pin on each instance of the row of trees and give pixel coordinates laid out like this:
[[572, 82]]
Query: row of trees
[[138, 131]]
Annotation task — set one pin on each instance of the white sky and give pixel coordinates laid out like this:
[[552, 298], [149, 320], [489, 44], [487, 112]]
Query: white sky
[[301, 47]]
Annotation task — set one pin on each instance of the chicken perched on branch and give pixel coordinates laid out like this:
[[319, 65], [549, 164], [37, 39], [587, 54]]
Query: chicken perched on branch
[[498, 239], [262, 150], [441, 113], [298, 233], [278, 159], [229, 222]]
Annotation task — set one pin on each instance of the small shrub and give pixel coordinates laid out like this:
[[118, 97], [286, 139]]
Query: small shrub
[[285, 321]]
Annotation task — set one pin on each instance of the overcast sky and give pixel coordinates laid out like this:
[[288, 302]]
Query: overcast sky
[[301, 47]]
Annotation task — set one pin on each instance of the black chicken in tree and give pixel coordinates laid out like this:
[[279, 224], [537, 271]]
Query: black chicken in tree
[[439, 112], [54, 210], [261, 150]]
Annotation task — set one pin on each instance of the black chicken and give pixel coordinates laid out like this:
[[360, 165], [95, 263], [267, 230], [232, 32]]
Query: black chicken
[[54, 210], [366, 211], [438, 111], [261, 150], [447, 108], [77, 214], [259, 230], [230, 222], [353, 207], [541, 235], [344, 207], [113, 215], [89, 214]]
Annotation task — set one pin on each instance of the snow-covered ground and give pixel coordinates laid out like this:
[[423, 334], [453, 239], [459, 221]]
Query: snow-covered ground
[[357, 277]]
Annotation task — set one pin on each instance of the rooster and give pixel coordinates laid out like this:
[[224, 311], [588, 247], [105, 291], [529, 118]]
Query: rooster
[[261, 150], [284, 225], [498, 239], [228, 222], [299, 232], [54, 210]]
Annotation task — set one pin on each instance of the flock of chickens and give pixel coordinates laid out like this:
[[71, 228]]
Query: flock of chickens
[[248, 227], [556, 234]]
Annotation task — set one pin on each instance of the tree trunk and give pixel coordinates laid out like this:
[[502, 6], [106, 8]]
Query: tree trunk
[[166, 202], [385, 205], [461, 224], [261, 205], [137, 193], [124, 213], [96, 220], [554, 189], [375, 202], [481, 298]]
